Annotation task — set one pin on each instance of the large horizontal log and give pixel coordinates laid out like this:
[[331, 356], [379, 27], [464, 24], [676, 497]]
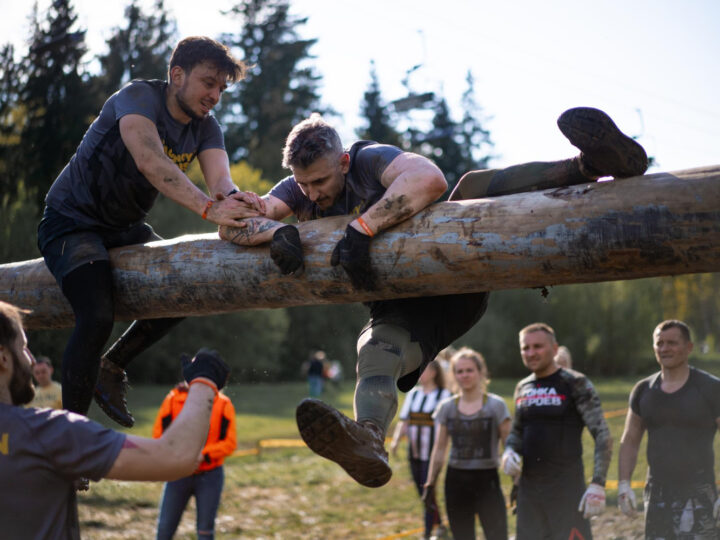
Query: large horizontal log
[[654, 225]]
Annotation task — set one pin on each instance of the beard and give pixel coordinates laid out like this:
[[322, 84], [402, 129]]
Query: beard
[[22, 390], [184, 107]]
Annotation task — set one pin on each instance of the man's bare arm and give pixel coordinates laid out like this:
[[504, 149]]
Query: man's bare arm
[[258, 230], [140, 136], [630, 445], [413, 183], [175, 454]]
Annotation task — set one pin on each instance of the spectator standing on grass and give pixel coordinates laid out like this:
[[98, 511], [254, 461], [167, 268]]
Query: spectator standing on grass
[[316, 373], [563, 358], [417, 424], [552, 407], [44, 451], [206, 482], [679, 407], [48, 393], [476, 421]]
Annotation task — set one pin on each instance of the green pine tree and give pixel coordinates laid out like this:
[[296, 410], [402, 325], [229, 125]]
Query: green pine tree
[[11, 117], [280, 90], [140, 49], [379, 124], [474, 138], [57, 96]]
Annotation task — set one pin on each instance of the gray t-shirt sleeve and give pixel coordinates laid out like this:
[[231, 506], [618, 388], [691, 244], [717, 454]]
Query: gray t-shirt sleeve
[[290, 193], [211, 135], [77, 446], [442, 411], [499, 408], [137, 98]]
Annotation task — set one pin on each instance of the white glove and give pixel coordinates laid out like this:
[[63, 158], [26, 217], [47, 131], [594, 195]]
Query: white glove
[[626, 498], [593, 501], [716, 512], [511, 462]]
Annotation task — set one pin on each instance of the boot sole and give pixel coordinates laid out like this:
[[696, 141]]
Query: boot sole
[[321, 427], [600, 140], [112, 413]]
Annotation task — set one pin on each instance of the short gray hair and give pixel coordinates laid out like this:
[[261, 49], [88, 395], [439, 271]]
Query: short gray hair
[[310, 140]]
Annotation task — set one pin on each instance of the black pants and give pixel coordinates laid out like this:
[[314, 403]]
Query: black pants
[[547, 507], [471, 492], [419, 469], [78, 258]]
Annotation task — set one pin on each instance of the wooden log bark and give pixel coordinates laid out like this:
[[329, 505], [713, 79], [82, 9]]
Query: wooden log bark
[[653, 225]]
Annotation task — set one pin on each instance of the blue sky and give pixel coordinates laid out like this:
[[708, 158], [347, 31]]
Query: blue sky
[[653, 65]]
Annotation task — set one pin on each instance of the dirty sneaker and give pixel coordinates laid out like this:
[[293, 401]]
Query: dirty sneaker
[[110, 391], [359, 448], [605, 150]]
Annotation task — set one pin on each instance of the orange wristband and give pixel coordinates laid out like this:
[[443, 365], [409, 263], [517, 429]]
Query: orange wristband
[[206, 383], [365, 227], [207, 207]]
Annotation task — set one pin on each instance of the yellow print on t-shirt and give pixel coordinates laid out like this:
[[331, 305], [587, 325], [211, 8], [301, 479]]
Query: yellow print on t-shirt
[[4, 446], [181, 160]]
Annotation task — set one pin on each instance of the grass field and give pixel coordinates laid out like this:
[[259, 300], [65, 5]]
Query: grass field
[[291, 493]]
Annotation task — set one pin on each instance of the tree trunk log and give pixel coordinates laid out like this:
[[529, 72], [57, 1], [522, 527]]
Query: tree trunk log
[[654, 225]]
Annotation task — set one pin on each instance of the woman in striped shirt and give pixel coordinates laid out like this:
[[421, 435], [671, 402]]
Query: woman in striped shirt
[[416, 422]]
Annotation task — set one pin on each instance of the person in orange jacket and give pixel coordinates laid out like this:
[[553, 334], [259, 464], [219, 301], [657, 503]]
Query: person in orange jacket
[[206, 483]]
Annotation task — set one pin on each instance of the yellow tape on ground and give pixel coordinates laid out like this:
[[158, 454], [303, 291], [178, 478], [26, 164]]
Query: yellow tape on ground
[[245, 452], [403, 534], [281, 443], [613, 414]]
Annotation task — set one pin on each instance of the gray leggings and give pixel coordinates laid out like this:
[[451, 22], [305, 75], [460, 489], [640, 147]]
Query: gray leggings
[[385, 353], [533, 176]]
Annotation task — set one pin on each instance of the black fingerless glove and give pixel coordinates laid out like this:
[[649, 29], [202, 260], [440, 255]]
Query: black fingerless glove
[[207, 364], [352, 252], [286, 250]]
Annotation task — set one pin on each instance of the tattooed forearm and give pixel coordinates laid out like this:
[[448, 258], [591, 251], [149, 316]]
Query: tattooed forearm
[[392, 209], [257, 231]]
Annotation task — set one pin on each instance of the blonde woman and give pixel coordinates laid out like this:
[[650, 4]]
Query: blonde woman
[[475, 421]]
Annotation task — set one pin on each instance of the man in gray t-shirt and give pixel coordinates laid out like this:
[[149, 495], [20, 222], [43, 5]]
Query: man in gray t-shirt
[[140, 145], [44, 451], [381, 186]]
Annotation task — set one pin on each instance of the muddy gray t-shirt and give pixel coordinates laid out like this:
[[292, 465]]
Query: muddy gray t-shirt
[[101, 186], [368, 161], [474, 437], [42, 451]]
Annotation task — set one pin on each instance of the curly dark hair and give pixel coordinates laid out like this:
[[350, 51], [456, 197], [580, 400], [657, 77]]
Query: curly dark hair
[[195, 50]]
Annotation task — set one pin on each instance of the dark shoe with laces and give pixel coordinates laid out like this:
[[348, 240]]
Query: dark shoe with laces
[[605, 150], [359, 448], [111, 391]]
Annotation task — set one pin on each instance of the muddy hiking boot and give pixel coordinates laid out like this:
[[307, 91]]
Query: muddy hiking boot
[[605, 150], [111, 391], [359, 448]]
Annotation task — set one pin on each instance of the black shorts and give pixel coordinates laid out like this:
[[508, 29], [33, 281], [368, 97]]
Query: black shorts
[[66, 244]]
